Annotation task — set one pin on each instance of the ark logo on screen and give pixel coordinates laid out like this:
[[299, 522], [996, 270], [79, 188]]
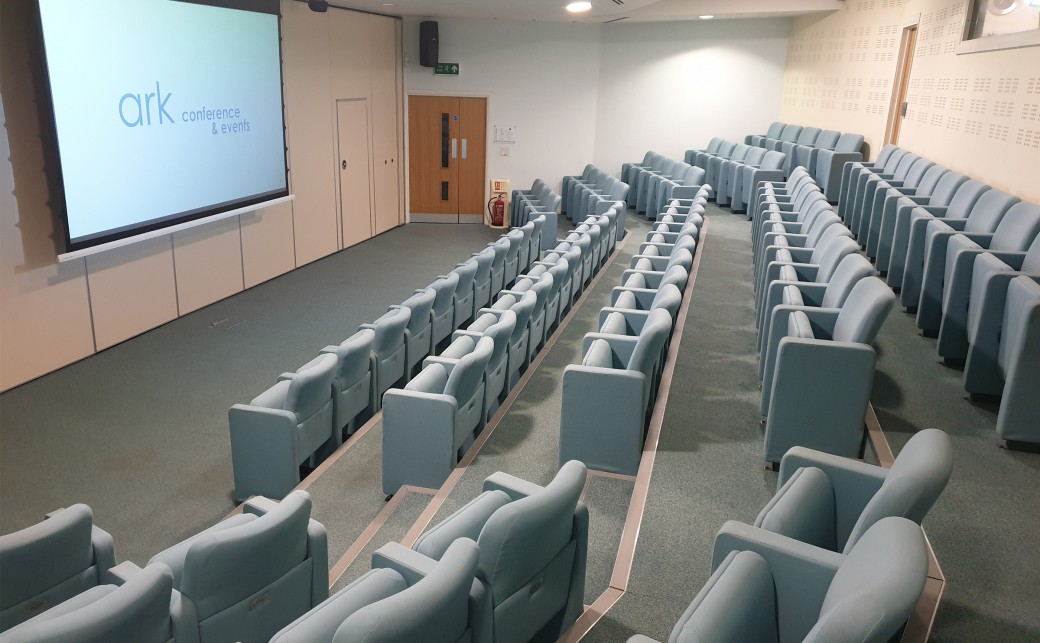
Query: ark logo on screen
[[138, 109]]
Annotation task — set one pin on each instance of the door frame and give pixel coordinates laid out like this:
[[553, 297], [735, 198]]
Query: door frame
[[407, 152], [901, 76], [370, 153]]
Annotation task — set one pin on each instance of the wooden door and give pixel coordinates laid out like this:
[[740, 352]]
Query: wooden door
[[432, 139], [900, 104], [355, 186], [385, 127], [472, 143], [447, 141]]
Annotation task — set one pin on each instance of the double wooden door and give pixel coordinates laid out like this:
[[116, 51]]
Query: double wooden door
[[447, 139]]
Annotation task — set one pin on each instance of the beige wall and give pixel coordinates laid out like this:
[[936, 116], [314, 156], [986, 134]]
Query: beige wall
[[976, 113], [53, 314]]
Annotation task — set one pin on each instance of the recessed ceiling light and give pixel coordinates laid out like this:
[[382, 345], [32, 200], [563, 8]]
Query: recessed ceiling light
[[578, 7], [708, 17]]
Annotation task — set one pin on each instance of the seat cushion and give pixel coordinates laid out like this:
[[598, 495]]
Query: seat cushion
[[467, 522]]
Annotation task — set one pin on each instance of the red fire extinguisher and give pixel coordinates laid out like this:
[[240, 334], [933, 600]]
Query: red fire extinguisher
[[497, 209]]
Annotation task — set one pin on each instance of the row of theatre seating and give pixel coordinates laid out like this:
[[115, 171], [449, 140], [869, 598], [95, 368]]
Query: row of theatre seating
[[838, 553], [308, 413], [509, 565], [430, 423], [965, 258], [609, 397]]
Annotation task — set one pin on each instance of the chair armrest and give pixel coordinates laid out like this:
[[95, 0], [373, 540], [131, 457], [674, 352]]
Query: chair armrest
[[516, 488], [409, 563], [644, 296], [258, 505], [854, 482], [620, 345], [121, 573], [634, 319]]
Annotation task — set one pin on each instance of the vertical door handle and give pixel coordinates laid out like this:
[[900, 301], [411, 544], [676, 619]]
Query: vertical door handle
[[464, 141], [344, 165], [902, 108], [454, 148]]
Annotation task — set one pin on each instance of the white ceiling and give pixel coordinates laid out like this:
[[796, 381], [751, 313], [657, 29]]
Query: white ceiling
[[602, 10]]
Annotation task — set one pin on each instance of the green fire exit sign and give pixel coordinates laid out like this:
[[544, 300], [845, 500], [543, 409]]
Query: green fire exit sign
[[446, 69]]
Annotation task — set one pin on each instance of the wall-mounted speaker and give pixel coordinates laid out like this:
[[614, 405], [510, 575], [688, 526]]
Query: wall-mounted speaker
[[428, 50], [321, 6]]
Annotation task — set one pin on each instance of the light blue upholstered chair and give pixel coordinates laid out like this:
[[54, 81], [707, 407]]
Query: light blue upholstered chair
[[945, 300], [281, 429], [537, 188], [702, 158], [419, 331], [650, 182], [808, 138], [779, 192], [559, 270], [690, 155], [749, 175], [772, 132], [827, 166], [592, 229], [855, 214], [482, 279], [764, 588], [715, 164], [791, 207], [1019, 359], [986, 300], [498, 265], [890, 218], [899, 223], [533, 547], [830, 501], [725, 177], [818, 372], [136, 610], [50, 562], [351, 382], [515, 238], [499, 328], [805, 156], [852, 169], [831, 293], [607, 397], [523, 306], [910, 174], [543, 288], [251, 575], [444, 306], [629, 170], [567, 182], [686, 176], [404, 597], [790, 133], [931, 230], [534, 249], [805, 231], [429, 423], [775, 223], [464, 292], [389, 346]]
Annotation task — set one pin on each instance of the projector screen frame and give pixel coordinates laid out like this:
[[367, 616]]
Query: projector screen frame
[[120, 237]]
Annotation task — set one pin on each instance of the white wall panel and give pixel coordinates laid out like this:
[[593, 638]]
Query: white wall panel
[[208, 263]]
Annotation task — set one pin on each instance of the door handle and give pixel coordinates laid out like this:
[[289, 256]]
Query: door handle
[[454, 148], [903, 107], [344, 165], [464, 141]]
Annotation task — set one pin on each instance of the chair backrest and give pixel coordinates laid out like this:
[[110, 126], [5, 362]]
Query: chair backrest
[[946, 187], [904, 165], [445, 287], [435, 609], [829, 138], [820, 222], [467, 374], [693, 176], [775, 128], [542, 288], [1018, 228], [714, 143], [828, 237], [523, 308], [808, 135], [913, 483], [864, 312], [229, 565], [668, 298], [739, 152], [484, 259], [675, 275], [849, 143], [500, 248], [138, 610], [754, 155], [514, 237], [894, 159], [618, 191], [589, 170], [353, 353], [420, 306], [917, 171], [1021, 311], [1031, 262], [885, 154], [726, 149], [53, 555], [927, 183], [987, 212], [790, 132], [772, 160], [559, 272], [466, 271], [850, 270], [523, 537], [311, 389], [876, 586], [650, 343], [390, 327]]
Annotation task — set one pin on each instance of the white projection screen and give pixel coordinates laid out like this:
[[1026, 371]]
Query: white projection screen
[[165, 111]]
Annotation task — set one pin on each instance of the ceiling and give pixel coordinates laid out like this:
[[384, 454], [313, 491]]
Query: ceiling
[[602, 10]]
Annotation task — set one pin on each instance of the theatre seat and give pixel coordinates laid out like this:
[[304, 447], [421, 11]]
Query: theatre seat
[[830, 501], [419, 331], [533, 544], [251, 575], [389, 347], [50, 562], [1019, 360], [352, 381], [765, 589], [404, 597], [499, 328]]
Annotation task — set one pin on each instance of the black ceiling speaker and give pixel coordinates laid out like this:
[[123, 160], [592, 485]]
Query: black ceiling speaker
[[428, 50], [321, 6]]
